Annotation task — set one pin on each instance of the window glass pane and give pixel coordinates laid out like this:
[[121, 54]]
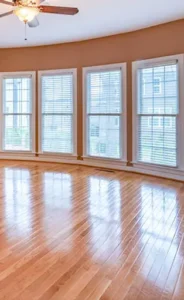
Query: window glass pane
[[104, 136], [57, 94], [17, 95], [104, 92], [17, 132], [57, 133], [158, 90], [157, 140]]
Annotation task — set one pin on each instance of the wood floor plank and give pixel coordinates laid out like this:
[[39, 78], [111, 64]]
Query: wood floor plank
[[78, 233]]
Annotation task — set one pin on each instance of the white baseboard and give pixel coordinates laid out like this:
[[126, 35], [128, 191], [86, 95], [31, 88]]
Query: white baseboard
[[100, 163], [166, 175], [104, 163], [64, 160]]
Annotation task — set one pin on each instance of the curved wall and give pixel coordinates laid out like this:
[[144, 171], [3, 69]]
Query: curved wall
[[162, 40]]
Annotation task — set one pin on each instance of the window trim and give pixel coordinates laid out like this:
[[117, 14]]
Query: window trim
[[180, 124], [123, 114], [32, 74], [57, 72]]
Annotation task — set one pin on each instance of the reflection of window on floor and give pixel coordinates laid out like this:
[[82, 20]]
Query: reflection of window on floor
[[102, 148], [94, 131], [160, 207], [18, 208], [157, 211], [100, 192], [57, 189], [56, 184]]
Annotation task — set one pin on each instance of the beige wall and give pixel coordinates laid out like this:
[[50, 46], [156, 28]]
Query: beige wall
[[162, 40]]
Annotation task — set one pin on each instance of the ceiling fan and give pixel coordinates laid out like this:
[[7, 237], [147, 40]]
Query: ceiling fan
[[27, 10]]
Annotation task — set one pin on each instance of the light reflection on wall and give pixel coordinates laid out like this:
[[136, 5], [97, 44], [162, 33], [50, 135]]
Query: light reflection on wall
[[57, 201], [17, 202], [159, 225], [104, 205]]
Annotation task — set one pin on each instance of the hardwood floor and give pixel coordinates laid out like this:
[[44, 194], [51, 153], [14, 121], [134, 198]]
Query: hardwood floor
[[70, 232]]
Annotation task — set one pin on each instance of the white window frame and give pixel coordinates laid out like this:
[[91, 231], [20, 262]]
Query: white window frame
[[123, 114], [180, 123], [33, 113], [74, 114]]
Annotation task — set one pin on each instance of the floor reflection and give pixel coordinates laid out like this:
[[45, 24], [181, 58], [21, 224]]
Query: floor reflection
[[104, 199], [104, 206], [57, 190], [17, 202], [57, 195], [160, 229]]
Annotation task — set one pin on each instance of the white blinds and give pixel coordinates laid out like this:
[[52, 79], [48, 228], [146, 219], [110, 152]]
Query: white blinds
[[104, 113], [157, 111], [17, 112], [57, 113]]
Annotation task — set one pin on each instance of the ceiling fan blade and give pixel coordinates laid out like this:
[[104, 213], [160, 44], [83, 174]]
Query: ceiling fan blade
[[58, 10], [33, 23], [6, 14], [7, 2]]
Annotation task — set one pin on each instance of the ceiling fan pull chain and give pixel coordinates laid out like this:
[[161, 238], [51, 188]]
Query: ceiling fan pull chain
[[25, 31]]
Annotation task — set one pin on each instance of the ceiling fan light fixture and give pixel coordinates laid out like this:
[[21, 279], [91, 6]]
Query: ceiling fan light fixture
[[26, 14]]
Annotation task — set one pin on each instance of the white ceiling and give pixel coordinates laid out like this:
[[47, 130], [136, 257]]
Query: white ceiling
[[96, 18]]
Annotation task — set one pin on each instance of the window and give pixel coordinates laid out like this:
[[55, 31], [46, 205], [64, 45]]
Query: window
[[18, 112], [58, 115], [156, 112], [104, 119]]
